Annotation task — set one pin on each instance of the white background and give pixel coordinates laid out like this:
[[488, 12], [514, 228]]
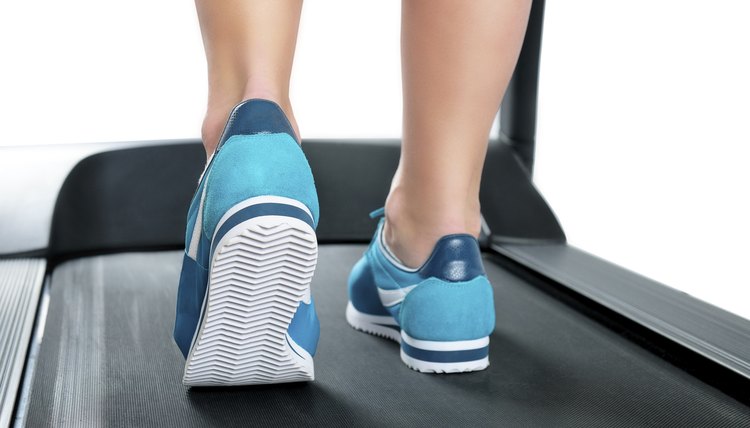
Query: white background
[[642, 141]]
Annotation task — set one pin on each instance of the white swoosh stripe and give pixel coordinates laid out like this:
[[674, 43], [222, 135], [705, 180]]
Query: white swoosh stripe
[[393, 297], [193, 249]]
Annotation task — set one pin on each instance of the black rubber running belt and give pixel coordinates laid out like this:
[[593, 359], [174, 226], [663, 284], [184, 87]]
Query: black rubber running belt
[[107, 359]]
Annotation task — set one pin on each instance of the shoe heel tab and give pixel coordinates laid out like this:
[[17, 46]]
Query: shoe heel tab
[[455, 258], [257, 116]]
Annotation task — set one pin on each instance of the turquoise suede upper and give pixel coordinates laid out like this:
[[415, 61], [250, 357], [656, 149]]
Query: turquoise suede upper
[[257, 165], [447, 311]]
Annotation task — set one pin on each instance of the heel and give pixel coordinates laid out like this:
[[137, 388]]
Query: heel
[[445, 357]]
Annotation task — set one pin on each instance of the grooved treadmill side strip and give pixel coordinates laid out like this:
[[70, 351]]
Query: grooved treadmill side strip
[[712, 332], [107, 359], [20, 283]]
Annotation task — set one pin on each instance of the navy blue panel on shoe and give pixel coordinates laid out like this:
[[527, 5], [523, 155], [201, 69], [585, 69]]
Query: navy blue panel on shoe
[[267, 117], [363, 293], [190, 295], [257, 211], [455, 258]]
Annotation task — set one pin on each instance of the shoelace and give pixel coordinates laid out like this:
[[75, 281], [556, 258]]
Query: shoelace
[[380, 212]]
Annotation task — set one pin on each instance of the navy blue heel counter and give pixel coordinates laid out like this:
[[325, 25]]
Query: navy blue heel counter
[[257, 116], [455, 258]]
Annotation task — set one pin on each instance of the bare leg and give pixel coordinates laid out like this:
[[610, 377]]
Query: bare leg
[[457, 60], [249, 49]]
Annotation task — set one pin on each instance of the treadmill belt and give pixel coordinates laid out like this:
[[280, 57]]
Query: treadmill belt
[[107, 359]]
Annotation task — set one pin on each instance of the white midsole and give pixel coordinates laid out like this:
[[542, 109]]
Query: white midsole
[[373, 324]]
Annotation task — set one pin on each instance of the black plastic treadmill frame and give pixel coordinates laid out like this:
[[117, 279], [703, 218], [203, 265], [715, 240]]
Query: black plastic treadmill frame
[[517, 113], [657, 317], [136, 198]]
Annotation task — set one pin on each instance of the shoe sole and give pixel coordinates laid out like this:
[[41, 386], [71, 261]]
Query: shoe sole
[[424, 356], [260, 272]]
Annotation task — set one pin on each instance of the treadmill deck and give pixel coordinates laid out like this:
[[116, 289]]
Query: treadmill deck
[[107, 359]]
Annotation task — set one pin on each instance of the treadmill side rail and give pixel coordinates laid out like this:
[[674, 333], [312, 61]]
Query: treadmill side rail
[[706, 341], [20, 284]]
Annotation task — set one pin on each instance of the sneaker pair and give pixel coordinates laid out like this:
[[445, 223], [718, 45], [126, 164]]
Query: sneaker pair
[[245, 314]]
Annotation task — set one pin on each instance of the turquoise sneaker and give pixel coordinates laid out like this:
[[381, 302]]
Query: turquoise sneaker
[[244, 310], [442, 314]]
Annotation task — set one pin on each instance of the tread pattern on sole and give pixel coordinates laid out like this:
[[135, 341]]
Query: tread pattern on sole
[[260, 272]]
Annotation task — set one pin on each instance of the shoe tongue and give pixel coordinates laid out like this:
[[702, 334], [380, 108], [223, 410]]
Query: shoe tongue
[[257, 116]]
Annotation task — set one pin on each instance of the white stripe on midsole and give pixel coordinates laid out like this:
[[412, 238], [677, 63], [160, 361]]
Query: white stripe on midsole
[[456, 345], [260, 200], [393, 297]]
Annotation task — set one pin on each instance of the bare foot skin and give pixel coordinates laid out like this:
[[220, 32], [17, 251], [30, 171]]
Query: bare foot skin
[[249, 48], [216, 117]]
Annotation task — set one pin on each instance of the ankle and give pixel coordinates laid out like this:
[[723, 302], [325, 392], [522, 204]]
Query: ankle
[[277, 95], [218, 112], [411, 235], [213, 126]]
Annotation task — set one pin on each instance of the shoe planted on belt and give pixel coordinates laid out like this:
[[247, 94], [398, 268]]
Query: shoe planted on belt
[[442, 313]]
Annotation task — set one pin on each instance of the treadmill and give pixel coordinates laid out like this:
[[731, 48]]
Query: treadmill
[[91, 241]]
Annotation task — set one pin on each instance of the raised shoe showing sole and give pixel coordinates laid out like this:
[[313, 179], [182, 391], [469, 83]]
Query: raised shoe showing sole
[[244, 313], [262, 262]]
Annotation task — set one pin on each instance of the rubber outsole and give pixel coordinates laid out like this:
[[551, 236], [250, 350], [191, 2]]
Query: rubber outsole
[[379, 326], [260, 273]]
